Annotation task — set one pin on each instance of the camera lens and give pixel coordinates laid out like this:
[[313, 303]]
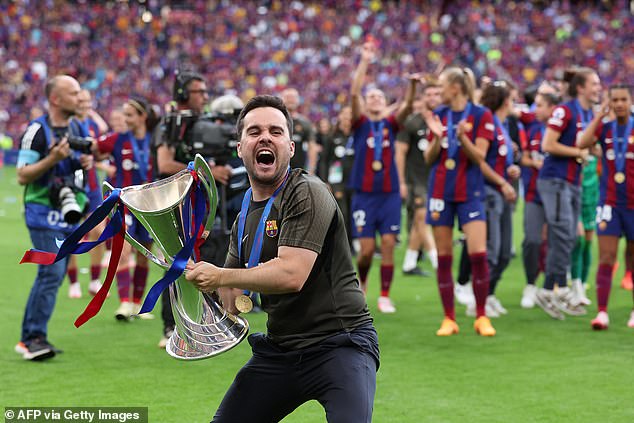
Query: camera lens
[[68, 205]]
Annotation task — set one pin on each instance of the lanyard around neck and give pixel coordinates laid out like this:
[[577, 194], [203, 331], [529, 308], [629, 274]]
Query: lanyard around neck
[[256, 248]]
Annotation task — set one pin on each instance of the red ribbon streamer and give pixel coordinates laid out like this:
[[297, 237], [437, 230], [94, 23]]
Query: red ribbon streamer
[[97, 302]]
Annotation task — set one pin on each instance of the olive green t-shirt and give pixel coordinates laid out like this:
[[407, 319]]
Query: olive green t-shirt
[[305, 215]]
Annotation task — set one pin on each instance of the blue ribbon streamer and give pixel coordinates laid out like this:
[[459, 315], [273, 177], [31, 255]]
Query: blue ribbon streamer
[[72, 244], [182, 257]]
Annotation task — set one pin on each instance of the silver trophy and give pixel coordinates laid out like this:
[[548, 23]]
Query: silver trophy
[[203, 328]]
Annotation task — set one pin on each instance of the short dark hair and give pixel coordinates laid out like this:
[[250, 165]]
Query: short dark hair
[[626, 87], [495, 94], [264, 101], [182, 81]]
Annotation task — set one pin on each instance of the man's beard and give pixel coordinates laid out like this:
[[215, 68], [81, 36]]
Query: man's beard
[[68, 113]]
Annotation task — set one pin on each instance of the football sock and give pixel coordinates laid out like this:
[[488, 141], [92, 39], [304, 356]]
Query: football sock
[[445, 286], [604, 284], [480, 275]]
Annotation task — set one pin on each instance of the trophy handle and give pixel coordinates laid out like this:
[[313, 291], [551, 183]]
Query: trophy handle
[[106, 189], [202, 168]]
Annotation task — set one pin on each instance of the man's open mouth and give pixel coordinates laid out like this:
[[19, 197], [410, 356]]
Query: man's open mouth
[[265, 157]]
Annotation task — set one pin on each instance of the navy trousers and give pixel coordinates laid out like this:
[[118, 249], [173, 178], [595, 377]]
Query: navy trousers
[[339, 373]]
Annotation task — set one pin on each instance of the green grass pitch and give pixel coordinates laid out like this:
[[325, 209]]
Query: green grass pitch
[[535, 370]]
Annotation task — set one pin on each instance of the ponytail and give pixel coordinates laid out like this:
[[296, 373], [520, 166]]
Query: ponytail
[[576, 77], [464, 77]]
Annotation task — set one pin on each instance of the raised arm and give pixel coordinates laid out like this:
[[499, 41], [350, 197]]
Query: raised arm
[[405, 108], [368, 53]]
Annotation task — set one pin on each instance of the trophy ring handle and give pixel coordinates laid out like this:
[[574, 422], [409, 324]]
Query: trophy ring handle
[[107, 189], [204, 172]]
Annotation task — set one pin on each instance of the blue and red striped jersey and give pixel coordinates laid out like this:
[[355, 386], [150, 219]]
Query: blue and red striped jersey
[[364, 178], [465, 181]]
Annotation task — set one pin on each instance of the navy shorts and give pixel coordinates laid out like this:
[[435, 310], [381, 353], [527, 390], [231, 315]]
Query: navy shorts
[[372, 213], [339, 373], [443, 213], [615, 221]]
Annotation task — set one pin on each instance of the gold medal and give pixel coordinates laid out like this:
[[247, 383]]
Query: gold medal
[[377, 165], [619, 177], [450, 164], [243, 303]]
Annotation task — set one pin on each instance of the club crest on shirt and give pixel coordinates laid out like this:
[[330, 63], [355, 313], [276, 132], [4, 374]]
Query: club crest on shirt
[[271, 228], [127, 164]]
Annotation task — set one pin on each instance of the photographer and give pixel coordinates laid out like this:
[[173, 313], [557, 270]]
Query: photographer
[[174, 150], [172, 155], [54, 198]]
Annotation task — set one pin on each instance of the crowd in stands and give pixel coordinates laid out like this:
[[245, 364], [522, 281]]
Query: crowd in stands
[[248, 47]]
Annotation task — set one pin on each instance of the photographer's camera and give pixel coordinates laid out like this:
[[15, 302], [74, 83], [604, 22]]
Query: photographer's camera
[[80, 144], [62, 196]]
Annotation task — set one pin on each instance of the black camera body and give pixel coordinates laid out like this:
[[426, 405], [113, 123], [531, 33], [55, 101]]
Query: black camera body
[[213, 136], [80, 144]]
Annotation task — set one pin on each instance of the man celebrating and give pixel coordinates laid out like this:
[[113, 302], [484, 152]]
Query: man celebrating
[[54, 200], [321, 344]]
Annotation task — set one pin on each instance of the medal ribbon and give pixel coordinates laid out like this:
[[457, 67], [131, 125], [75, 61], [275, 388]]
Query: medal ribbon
[[141, 158], [507, 140], [585, 117], [620, 144], [452, 140], [256, 248], [377, 134]]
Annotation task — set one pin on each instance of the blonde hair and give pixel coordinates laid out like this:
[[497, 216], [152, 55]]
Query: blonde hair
[[464, 77]]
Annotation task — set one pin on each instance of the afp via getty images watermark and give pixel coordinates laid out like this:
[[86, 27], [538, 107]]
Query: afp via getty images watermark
[[76, 414]]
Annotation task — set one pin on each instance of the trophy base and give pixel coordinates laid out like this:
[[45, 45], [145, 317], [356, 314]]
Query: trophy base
[[201, 346]]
